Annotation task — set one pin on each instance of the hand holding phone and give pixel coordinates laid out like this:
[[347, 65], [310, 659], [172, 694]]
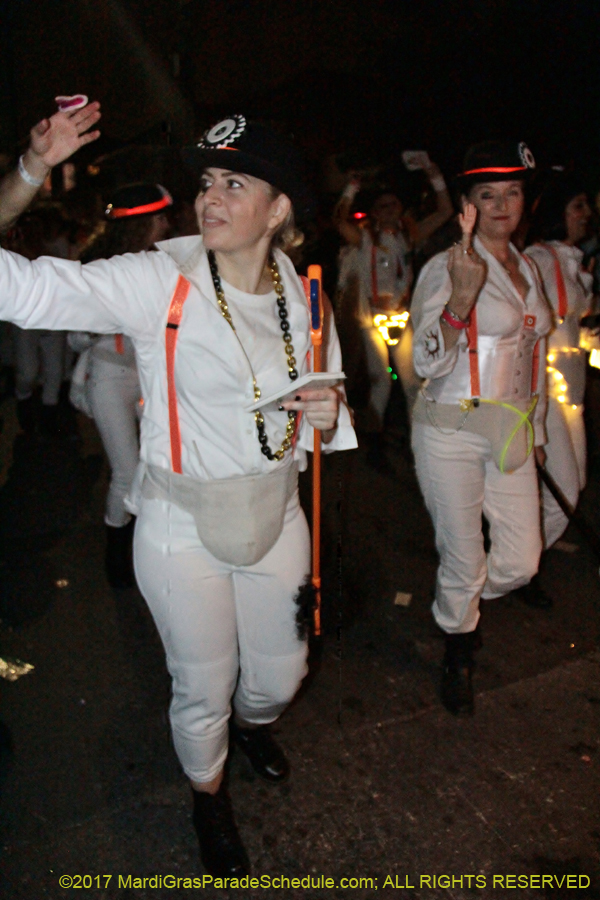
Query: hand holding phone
[[416, 159]]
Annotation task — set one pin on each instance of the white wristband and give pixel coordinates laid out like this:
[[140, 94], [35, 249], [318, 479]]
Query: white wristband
[[34, 182], [438, 183]]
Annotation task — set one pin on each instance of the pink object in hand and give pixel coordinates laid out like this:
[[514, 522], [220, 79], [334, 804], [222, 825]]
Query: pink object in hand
[[68, 104]]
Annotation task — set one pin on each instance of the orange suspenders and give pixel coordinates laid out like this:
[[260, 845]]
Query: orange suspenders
[[473, 354], [173, 320], [560, 283], [119, 345]]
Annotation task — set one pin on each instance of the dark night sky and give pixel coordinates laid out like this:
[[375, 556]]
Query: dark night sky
[[381, 75]]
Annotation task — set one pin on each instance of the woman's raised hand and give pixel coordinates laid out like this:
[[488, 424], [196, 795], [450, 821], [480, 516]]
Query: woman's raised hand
[[55, 139], [467, 269]]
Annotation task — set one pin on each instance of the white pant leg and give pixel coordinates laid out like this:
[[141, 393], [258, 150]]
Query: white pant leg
[[52, 346], [460, 481], [204, 609], [114, 393], [27, 362], [512, 507], [565, 462], [451, 472], [377, 367]]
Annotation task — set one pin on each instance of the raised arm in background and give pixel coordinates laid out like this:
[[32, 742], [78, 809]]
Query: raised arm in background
[[52, 141]]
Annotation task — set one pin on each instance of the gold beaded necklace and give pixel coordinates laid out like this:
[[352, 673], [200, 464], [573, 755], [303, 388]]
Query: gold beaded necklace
[[289, 352]]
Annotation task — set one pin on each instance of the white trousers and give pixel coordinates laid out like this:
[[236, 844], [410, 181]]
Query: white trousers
[[228, 632], [114, 393], [460, 482], [377, 356], [566, 458], [35, 347]]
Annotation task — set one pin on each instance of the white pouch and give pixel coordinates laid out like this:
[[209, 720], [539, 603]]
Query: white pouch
[[238, 519]]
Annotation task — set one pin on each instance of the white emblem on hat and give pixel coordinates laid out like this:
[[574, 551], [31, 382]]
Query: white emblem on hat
[[223, 133], [526, 155]]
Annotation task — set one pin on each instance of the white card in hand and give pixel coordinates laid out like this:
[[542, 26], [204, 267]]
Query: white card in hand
[[289, 391]]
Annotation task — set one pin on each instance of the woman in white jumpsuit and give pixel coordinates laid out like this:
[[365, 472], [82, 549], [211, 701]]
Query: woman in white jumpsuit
[[560, 224], [479, 316], [135, 221], [381, 263], [221, 544]]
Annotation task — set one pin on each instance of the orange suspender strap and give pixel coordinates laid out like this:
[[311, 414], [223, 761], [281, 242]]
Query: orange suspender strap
[[535, 367], [560, 283], [530, 322], [173, 320], [119, 345], [473, 355]]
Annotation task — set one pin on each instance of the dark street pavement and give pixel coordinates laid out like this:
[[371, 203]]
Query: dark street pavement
[[386, 785]]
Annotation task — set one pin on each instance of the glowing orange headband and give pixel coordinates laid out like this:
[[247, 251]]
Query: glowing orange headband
[[498, 169], [120, 212]]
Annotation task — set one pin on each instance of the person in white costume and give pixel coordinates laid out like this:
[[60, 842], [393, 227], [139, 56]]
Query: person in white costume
[[480, 317], [559, 225], [135, 220], [381, 263], [221, 544]]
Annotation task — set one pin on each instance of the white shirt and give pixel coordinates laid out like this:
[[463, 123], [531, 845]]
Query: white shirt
[[392, 269], [130, 294], [563, 342], [505, 358]]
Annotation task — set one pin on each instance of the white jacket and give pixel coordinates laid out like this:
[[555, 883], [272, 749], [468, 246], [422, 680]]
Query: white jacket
[[505, 346], [130, 294]]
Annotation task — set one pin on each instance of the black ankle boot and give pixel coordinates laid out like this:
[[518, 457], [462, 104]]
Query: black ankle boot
[[221, 849], [119, 559], [265, 754], [534, 595], [49, 426], [26, 415], [457, 673]]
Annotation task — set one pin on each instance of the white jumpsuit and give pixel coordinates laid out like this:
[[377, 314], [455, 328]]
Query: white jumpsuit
[[392, 276], [566, 447], [226, 630], [457, 473]]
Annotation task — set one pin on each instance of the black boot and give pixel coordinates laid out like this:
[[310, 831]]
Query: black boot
[[533, 594], [221, 849], [119, 557], [457, 674], [49, 420], [26, 415], [265, 754], [376, 454]]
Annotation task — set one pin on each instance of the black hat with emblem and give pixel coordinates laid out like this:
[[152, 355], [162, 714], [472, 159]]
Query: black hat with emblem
[[496, 161], [254, 149]]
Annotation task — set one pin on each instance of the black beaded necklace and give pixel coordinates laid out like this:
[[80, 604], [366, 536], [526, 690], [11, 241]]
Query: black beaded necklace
[[289, 352]]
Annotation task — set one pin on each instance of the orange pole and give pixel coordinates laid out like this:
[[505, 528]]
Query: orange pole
[[316, 333]]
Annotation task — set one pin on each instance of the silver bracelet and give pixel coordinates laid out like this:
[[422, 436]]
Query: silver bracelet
[[34, 182]]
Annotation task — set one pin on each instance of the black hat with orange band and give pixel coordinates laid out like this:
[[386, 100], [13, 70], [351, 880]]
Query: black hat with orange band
[[138, 199], [496, 161], [254, 149]]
